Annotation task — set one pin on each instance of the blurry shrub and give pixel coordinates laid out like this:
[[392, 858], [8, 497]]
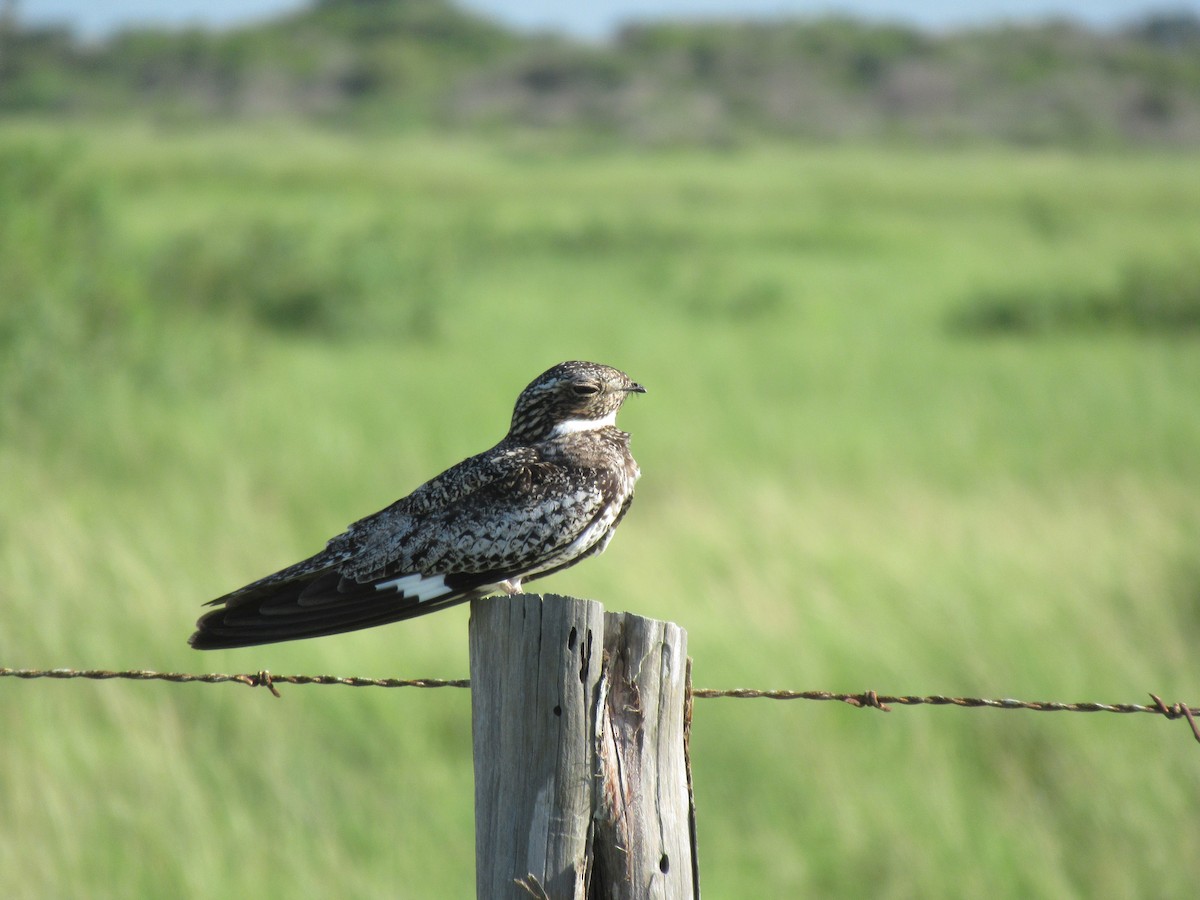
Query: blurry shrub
[[742, 302], [1045, 218], [67, 298], [717, 294], [570, 69], [271, 275], [78, 301], [1146, 298], [399, 64], [1173, 30], [292, 278]]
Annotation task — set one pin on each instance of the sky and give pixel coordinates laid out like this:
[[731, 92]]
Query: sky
[[595, 19]]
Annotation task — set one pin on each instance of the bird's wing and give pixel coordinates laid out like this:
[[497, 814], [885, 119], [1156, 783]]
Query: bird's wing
[[509, 525], [458, 536]]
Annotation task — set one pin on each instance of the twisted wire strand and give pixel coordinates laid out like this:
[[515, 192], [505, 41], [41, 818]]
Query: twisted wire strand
[[262, 678], [864, 700]]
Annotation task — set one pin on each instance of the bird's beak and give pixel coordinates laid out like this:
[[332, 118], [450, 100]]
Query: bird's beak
[[635, 388]]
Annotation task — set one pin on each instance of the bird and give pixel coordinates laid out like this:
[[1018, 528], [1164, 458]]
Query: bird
[[549, 494]]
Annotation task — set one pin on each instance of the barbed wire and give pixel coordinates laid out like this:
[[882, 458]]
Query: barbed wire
[[863, 700], [262, 678]]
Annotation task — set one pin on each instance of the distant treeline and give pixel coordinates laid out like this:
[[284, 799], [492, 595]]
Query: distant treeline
[[427, 63]]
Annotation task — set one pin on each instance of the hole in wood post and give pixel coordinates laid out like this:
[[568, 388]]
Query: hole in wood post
[[585, 657], [572, 638], [664, 864], [557, 710]]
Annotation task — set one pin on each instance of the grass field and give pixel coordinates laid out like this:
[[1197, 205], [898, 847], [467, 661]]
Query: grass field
[[219, 348]]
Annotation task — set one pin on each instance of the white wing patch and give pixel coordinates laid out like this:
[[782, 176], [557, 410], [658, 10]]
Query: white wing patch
[[419, 587]]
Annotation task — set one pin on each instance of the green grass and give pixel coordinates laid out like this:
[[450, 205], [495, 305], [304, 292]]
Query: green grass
[[217, 349], [1147, 298]]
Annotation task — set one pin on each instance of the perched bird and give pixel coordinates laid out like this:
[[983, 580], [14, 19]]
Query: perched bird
[[548, 495]]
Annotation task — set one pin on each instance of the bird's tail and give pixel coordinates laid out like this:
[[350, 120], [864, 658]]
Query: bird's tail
[[310, 606]]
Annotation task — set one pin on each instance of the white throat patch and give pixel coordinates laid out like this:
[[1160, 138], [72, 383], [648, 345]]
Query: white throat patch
[[574, 426]]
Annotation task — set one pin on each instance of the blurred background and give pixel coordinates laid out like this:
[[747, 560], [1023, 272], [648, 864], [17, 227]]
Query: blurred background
[[916, 295]]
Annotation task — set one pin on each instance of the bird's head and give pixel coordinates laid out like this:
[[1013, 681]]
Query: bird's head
[[572, 396]]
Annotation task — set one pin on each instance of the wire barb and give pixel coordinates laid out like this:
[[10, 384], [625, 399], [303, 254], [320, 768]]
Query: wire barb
[[1174, 712], [263, 679], [868, 700]]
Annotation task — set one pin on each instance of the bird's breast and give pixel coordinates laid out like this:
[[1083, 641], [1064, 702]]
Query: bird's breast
[[605, 450]]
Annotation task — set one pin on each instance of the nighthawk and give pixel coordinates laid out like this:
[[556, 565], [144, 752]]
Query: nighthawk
[[548, 495]]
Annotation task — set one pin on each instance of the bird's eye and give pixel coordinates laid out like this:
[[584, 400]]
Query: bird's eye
[[584, 390]]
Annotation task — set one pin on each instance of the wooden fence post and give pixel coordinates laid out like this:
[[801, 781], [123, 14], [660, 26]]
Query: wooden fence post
[[581, 787], [644, 846]]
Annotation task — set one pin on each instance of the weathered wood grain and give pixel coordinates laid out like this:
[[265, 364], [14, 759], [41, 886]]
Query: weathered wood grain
[[581, 786], [643, 843], [535, 668]]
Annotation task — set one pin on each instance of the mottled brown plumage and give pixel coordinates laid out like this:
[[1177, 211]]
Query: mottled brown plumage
[[548, 495]]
